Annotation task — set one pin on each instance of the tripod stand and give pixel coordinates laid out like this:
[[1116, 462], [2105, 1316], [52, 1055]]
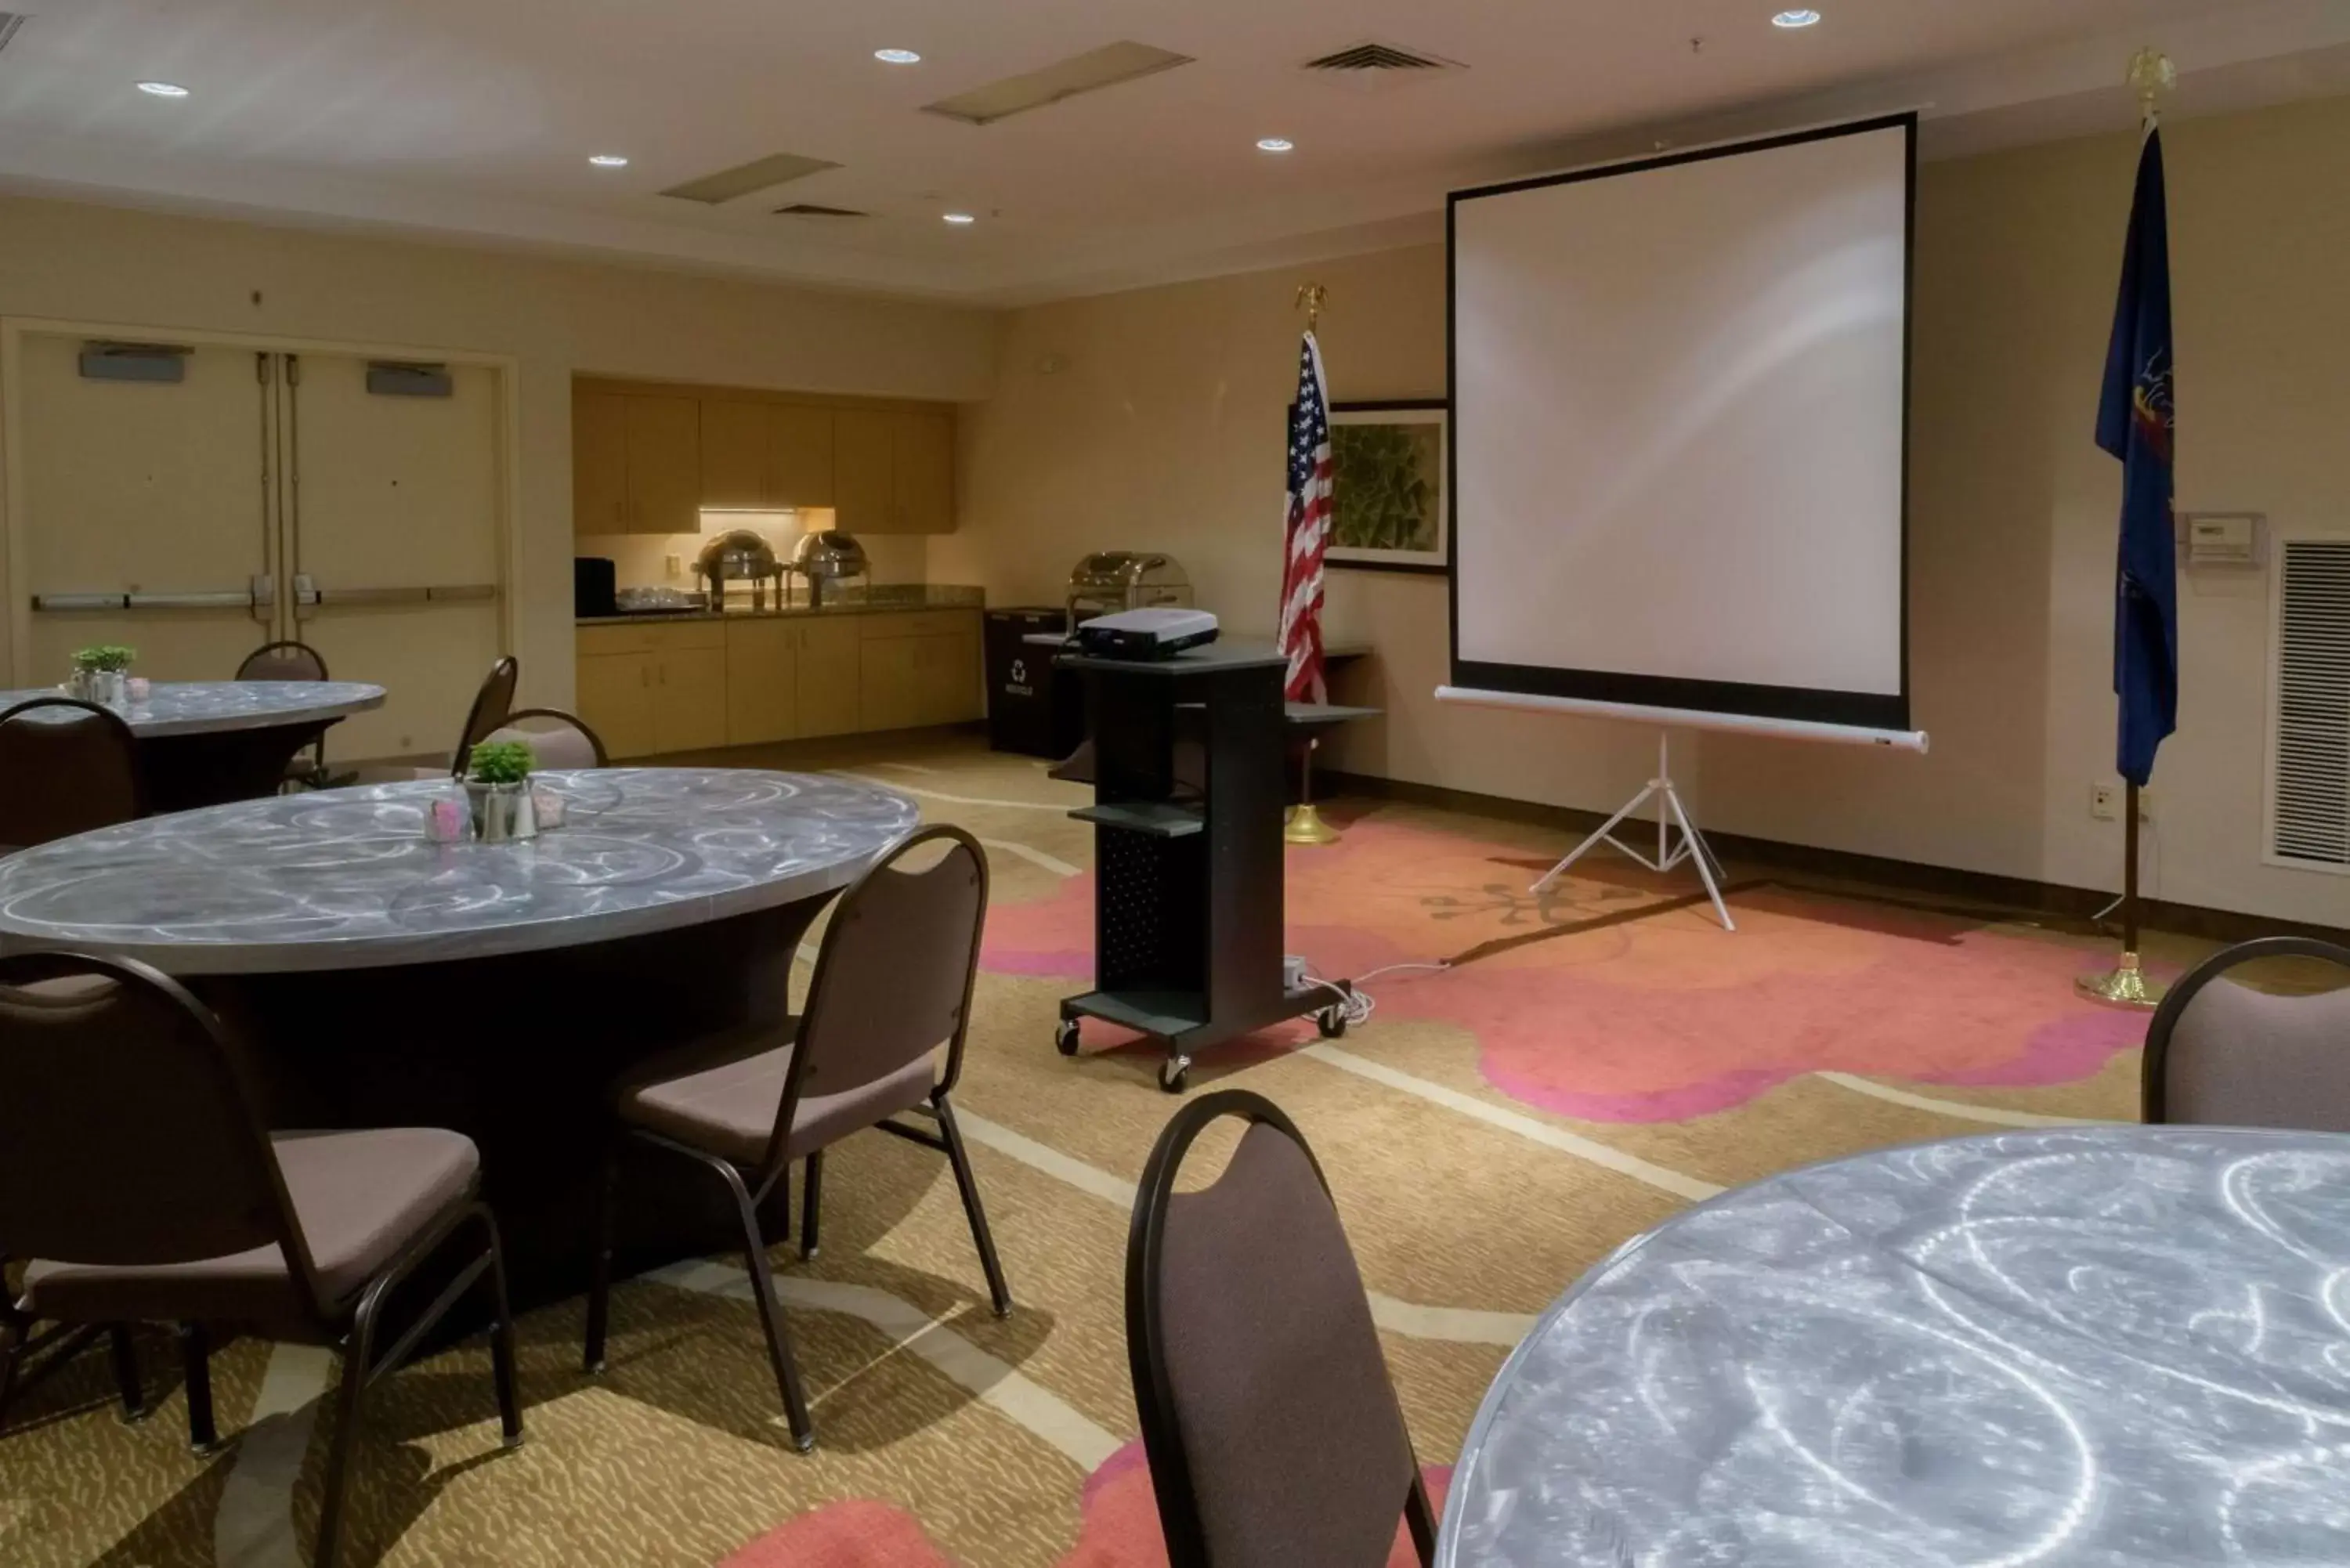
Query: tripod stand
[[1691, 845]]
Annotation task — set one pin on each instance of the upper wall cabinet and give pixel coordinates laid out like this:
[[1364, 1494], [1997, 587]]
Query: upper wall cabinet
[[647, 456], [636, 462]]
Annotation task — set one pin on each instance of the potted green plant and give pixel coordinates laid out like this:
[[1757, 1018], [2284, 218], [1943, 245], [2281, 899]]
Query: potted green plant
[[99, 672], [497, 789]]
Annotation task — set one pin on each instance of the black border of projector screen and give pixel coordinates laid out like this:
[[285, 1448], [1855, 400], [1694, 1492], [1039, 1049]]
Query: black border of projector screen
[[1862, 710]]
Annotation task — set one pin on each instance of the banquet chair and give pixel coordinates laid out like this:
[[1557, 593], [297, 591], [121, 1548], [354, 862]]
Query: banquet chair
[[493, 705], [288, 659], [2220, 1052], [71, 770], [136, 1174], [565, 742], [1272, 1429], [283, 660], [892, 984]]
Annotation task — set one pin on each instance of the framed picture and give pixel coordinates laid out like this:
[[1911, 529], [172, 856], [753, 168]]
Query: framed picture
[[1388, 468]]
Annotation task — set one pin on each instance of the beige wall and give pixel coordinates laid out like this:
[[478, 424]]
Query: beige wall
[[65, 261], [1154, 418]]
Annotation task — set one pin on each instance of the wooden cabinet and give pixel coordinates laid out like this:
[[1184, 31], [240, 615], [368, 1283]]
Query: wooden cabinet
[[734, 453], [650, 687], [921, 471], [919, 668], [763, 701], [636, 462], [646, 457], [799, 455], [599, 462], [863, 492], [615, 699], [828, 675]]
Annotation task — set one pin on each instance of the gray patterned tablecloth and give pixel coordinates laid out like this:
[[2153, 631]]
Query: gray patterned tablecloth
[[346, 878], [2124, 1346], [206, 707]]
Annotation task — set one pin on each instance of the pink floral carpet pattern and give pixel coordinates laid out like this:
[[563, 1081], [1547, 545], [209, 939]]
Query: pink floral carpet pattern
[[1661, 1018], [1120, 1529]]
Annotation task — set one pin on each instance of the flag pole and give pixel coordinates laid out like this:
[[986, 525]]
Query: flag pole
[[2152, 73], [1303, 824]]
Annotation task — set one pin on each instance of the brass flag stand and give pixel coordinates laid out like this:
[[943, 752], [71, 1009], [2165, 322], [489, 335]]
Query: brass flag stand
[[2125, 984]]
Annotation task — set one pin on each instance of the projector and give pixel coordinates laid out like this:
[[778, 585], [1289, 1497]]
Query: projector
[[1147, 633]]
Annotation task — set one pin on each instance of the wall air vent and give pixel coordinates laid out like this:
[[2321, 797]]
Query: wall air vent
[[761, 174], [2309, 810], [1089, 72], [815, 210], [9, 22]]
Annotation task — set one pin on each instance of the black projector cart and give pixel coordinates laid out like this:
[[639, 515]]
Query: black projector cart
[[1187, 763]]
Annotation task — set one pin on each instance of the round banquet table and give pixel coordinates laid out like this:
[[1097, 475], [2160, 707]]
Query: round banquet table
[[202, 742], [2110, 1346], [382, 980]]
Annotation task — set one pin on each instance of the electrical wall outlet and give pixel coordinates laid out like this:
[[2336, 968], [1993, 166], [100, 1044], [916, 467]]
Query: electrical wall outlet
[[673, 565], [2105, 803]]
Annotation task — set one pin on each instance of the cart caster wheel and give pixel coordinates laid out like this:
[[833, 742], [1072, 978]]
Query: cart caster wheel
[[1174, 1074], [1332, 1022], [1064, 1037]]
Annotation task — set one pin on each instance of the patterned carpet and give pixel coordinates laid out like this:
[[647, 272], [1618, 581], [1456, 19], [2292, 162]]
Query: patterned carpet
[[1606, 1055]]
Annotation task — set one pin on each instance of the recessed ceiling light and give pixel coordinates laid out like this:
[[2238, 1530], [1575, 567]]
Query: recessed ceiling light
[[1799, 18], [164, 90], [608, 160], [898, 57], [1274, 144], [958, 217]]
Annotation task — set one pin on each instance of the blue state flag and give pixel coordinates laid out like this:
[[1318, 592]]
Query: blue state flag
[[2135, 423]]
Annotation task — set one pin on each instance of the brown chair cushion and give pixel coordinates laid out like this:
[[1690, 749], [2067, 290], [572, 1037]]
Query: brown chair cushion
[[359, 1196], [728, 1108]]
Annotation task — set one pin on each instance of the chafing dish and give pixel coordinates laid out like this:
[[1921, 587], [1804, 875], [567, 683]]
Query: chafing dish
[[1111, 580], [739, 555], [828, 556]]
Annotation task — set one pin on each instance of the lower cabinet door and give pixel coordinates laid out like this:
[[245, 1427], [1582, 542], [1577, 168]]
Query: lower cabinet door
[[892, 683], [762, 699], [616, 698], [690, 713], [828, 677]]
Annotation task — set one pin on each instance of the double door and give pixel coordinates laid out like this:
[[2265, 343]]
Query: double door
[[242, 495]]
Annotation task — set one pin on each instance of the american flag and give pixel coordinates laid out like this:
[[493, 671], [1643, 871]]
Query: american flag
[[1308, 531]]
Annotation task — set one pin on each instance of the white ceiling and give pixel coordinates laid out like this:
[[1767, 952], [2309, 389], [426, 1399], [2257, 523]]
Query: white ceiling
[[474, 119]]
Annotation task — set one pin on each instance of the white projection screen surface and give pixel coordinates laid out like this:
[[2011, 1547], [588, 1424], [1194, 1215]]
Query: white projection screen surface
[[1679, 400]]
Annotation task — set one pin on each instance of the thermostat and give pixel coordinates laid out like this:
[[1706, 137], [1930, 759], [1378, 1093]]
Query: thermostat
[[2221, 538]]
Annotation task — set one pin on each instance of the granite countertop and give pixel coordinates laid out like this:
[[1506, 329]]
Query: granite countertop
[[346, 878], [885, 600]]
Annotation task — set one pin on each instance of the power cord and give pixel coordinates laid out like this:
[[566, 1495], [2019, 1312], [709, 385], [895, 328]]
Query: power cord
[[1356, 1004]]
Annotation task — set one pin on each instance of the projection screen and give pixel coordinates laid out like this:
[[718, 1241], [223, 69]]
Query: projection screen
[[1679, 394]]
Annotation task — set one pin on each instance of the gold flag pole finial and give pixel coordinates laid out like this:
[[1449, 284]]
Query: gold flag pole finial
[[2152, 73], [1310, 296]]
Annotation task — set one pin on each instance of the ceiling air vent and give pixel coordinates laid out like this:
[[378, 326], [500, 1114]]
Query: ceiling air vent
[[9, 22], [814, 210], [2311, 742], [1371, 61], [1089, 72], [761, 174]]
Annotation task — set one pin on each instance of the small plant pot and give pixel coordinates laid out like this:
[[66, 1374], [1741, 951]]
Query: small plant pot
[[103, 687], [502, 812]]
